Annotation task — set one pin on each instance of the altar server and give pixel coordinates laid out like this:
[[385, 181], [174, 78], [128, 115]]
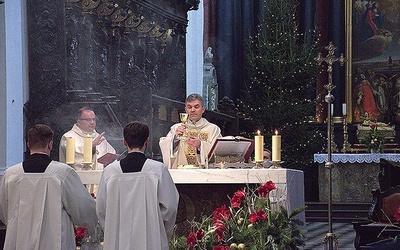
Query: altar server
[[41, 199], [137, 200], [84, 127], [200, 136]]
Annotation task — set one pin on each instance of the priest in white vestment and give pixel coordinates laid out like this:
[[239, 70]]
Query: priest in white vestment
[[41, 200], [84, 127], [137, 200], [200, 136]]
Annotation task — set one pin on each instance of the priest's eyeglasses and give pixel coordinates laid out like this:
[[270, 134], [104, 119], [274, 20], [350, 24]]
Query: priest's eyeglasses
[[88, 119]]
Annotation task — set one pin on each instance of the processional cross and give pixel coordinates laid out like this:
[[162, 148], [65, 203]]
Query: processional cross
[[330, 59]]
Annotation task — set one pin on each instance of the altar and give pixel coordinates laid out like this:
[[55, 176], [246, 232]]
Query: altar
[[201, 191], [353, 176]]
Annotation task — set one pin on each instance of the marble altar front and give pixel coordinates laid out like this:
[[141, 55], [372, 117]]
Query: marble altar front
[[354, 176], [201, 191]]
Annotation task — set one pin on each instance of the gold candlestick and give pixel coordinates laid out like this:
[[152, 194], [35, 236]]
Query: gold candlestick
[[346, 144], [333, 145]]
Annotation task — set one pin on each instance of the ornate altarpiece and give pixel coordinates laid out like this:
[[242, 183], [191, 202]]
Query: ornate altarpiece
[[111, 55]]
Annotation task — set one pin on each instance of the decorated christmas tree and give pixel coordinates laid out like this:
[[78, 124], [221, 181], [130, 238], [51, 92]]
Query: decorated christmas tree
[[279, 93]]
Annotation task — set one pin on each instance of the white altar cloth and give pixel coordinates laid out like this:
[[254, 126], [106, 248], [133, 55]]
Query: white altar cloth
[[289, 182], [356, 158]]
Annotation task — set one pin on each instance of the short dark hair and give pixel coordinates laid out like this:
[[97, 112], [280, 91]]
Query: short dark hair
[[81, 110], [136, 134], [39, 136], [193, 97]]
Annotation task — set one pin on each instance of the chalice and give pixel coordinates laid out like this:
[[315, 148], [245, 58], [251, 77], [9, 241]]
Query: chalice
[[184, 118]]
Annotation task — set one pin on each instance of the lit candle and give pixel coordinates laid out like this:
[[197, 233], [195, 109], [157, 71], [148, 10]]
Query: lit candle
[[87, 150], [344, 111], [276, 147], [259, 147], [70, 151]]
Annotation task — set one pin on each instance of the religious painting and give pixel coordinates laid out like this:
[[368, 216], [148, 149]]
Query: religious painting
[[373, 50]]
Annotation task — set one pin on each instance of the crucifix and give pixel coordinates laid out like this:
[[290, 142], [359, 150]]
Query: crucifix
[[330, 59]]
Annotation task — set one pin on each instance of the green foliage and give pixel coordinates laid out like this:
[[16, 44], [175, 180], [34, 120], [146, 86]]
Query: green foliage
[[249, 223], [374, 139], [280, 91]]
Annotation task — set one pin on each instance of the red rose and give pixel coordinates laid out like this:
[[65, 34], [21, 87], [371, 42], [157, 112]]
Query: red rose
[[397, 214], [237, 198], [221, 248], [191, 240], [219, 229], [221, 213], [259, 215], [264, 190], [199, 234], [253, 217]]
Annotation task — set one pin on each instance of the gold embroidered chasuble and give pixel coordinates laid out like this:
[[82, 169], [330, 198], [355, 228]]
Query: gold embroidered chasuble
[[177, 152]]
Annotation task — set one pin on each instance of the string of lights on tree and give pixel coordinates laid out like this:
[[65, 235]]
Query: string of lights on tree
[[279, 93]]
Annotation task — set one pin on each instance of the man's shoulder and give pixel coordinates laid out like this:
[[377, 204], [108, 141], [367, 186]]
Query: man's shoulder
[[14, 169], [59, 168], [153, 165]]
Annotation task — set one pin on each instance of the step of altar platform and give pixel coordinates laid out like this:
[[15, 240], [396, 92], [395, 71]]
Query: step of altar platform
[[341, 212]]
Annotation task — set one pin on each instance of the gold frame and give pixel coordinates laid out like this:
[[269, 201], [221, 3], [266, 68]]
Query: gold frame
[[349, 64], [349, 29]]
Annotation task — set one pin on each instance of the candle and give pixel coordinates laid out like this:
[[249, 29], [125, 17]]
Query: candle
[[331, 108], [276, 147], [259, 147], [344, 111], [87, 150], [70, 151]]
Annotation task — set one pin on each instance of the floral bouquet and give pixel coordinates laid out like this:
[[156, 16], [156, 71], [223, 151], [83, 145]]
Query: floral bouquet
[[248, 223], [374, 140]]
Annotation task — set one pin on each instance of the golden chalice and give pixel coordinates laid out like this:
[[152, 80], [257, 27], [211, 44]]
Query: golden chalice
[[184, 118]]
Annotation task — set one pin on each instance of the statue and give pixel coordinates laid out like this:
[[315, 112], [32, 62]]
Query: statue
[[210, 85]]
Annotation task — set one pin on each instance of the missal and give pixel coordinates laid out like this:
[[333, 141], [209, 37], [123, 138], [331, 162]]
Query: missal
[[236, 147], [107, 158]]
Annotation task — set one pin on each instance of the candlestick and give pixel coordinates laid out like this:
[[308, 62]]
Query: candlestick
[[276, 147], [87, 150], [344, 110], [346, 145], [70, 150], [259, 147]]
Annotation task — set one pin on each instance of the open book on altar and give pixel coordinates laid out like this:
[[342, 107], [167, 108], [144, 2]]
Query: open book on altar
[[236, 147], [107, 158]]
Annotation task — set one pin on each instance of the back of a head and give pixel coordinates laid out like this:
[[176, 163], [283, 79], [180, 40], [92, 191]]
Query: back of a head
[[136, 134], [39, 136]]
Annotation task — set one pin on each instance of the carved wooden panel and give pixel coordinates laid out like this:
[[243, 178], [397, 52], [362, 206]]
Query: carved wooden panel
[[109, 55]]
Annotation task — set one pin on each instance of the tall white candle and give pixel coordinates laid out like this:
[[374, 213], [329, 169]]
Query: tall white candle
[[87, 150], [276, 147], [259, 147], [70, 150], [344, 111]]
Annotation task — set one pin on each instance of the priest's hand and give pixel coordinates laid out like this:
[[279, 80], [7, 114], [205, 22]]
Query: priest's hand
[[99, 139], [193, 142], [179, 131]]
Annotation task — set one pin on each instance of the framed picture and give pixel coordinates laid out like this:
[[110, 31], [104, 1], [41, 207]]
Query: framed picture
[[373, 53]]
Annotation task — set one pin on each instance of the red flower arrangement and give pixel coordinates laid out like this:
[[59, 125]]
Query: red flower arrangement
[[248, 223], [80, 234]]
